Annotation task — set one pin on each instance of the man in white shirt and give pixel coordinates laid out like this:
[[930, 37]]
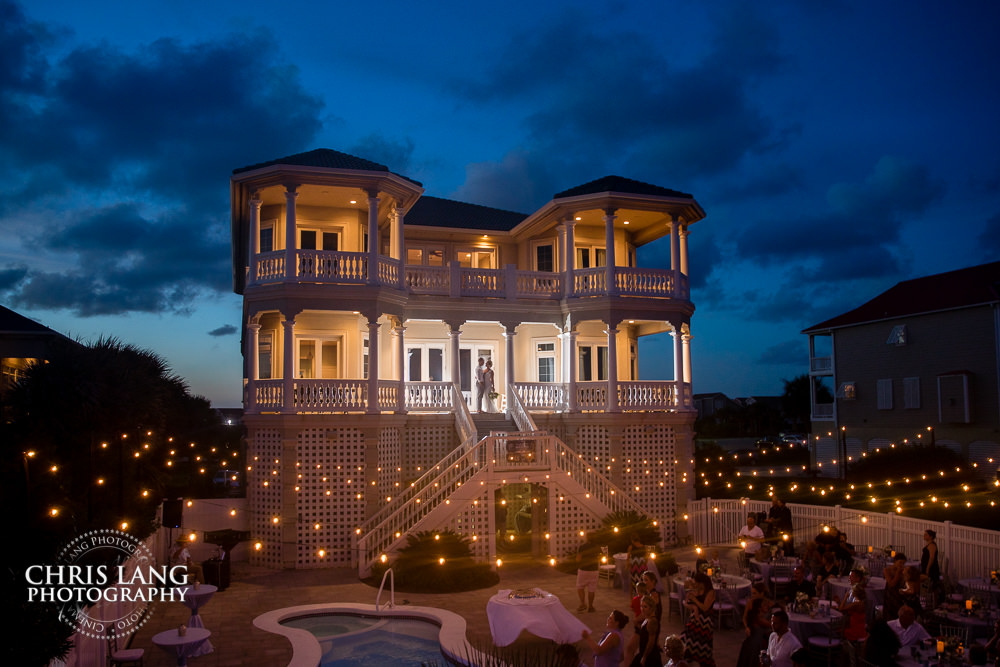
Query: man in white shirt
[[480, 384], [782, 643], [751, 536], [906, 627]]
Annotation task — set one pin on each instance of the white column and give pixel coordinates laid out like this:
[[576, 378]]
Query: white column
[[569, 252], [686, 343], [253, 338], [372, 237], [291, 271], [400, 246], [373, 350], [613, 370], [288, 367], [609, 250], [684, 249], [560, 249], [508, 334], [571, 403], [675, 253], [254, 236], [401, 360], [453, 334], [678, 365]]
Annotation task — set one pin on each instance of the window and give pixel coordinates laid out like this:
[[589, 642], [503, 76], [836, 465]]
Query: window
[[364, 358], [313, 239], [414, 256], [885, 394], [545, 355], [897, 336], [318, 358], [424, 255], [592, 362], [953, 399], [847, 391], [267, 238], [911, 393], [425, 363], [476, 258], [265, 343], [587, 257], [545, 257]]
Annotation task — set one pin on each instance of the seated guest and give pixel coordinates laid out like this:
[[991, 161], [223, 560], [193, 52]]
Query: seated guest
[[827, 570], [882, 646], [910, 593], [893, 574], [844, 552], [906, 627], [799, 584], [181, 556]]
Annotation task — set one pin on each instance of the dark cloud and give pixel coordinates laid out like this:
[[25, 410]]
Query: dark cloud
[[12, 276], [156, 129], [787, 353], [397, 155], [989, 239], [224, 330]]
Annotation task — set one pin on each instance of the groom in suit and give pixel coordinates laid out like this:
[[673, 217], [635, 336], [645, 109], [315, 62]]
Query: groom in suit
[[480, 385]]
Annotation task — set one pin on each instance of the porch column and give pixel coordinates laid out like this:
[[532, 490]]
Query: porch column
[[453, 335], [560, 260], [373, 348], [254, 236], [569, 252], [609, 251], [613, 405], [291, 270], [398, 236], [571, 399], [678, 365], [288, 367], [683, 232], [373, 237], [686, 344], [675, 253], [253, 338], [401, 362], [508, 334]]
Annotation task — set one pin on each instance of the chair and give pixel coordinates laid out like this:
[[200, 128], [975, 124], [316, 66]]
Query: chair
[[120, 657], [607, 570], [959, 631], [781, 575], [724, 603], [828, 646], [876, 567]]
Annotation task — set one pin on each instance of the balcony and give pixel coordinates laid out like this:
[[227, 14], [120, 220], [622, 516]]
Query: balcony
[[336, 396], [340, 268]]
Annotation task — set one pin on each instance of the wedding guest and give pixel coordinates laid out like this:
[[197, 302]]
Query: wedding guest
[[751, 535], [673, 647], [894, 580], [907, 629], [649, 637], [608, 650], [756, 625], [698, 635], [782, 643]]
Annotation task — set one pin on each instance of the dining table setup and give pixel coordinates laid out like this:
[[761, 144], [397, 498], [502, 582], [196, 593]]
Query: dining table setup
[[196, 596], [182, 643], [539, 612]]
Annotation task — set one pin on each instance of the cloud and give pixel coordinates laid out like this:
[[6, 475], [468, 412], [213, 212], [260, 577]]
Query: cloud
[[989, 239], [787, 353], [397, 155], [224, 330], [113, 163]]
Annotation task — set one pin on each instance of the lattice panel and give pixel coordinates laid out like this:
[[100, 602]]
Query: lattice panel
[[566, 519], [424, 446], [264, 495], [389, 465], [593, 445], [331, 495], [649, 475], [474, 523]]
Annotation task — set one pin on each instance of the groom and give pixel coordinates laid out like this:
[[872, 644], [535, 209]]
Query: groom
[[480, 385]]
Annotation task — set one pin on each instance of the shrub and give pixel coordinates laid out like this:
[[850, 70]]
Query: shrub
[[418, 566]]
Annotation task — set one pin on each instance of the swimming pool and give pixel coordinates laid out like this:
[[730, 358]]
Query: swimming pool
[[356, 635]]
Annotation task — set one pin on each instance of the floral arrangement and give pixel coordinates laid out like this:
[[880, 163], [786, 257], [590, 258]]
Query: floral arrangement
[[889, 551], [995, 577], [803, 603], [494, 395]]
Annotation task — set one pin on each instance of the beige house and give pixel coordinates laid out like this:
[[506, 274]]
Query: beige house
[[918, 363], [366, 308]]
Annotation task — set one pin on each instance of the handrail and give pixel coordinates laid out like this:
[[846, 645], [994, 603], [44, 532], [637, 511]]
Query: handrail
[[603, 489], [392, 589], [515, 408], [463, 418]]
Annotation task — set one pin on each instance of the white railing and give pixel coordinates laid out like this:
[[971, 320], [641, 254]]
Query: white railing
[[517, 411], [332, 266], [464, 426], [330, 395], [965, 552], [268, 267], [392, 590], [539, 284], [591, 396], [822, 411], [649, 396], [268, 394], [820, 364], [543, 395], [429, 396], [426, 279], [645, 282], [590, 282], [593, 481]]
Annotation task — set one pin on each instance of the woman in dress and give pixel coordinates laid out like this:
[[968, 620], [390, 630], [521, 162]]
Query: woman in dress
[[637, 553], [910, 593], [853, 609], [894, 580], [608, 651], [673, 647], [757, 626], [649, 578], [930, 570], [698, 629], [488, 387], [649, 637]]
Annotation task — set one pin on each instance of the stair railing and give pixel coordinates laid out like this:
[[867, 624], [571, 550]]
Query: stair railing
[[392, 590], [517, 411], [600, 487]]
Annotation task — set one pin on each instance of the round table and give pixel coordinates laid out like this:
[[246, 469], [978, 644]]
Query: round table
[[182, 646], [805, 626], [739, 585], [978, 627], [543, 616], [978, 585], [195, 599]]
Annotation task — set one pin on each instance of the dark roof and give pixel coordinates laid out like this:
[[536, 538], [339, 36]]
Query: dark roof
[[326, 158], [437, 212], [620, 184], [973, 286], [11, 322]]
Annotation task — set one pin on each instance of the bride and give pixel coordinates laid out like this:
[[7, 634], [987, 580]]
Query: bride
[[488, 387]]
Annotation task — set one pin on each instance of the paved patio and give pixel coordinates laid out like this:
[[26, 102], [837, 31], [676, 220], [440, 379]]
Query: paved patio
[[253, 591]]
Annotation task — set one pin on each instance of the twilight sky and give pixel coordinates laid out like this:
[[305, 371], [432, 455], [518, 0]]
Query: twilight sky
[[837, 147]]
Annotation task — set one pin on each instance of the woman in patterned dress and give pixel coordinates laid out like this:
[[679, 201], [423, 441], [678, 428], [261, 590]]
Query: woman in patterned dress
[[698, 635]]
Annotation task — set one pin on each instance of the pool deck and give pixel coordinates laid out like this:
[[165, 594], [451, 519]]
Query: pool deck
[[253, 591]]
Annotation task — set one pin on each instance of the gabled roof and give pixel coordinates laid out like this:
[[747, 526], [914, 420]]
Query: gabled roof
[[16, 323], [619, 184], [326, 158], [963, 288], [437, 212]]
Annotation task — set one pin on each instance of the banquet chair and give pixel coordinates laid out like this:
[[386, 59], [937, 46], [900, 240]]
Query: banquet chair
[[120, 657], [781, 575], [876, 567], [725, 603], [959, 631], [674, 599], [607, 570], [828, 646]]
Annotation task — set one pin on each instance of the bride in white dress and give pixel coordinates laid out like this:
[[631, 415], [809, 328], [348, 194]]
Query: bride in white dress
[[488, 388]]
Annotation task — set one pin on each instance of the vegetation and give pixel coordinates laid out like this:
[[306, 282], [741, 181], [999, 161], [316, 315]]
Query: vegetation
[[437, 562], [85, 438]]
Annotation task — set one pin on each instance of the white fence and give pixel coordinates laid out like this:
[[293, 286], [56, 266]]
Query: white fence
[[963, 551]]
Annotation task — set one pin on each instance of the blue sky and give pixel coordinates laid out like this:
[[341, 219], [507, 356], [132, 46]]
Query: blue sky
[[837, 148]]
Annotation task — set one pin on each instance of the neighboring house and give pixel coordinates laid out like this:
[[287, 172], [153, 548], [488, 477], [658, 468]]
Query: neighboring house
[[708, 404], [22, 342], [918, 363], [366, 307]]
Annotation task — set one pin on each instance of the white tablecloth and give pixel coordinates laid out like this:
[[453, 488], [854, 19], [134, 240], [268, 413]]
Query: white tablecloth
[[805, 626], [195, 599], [544, 617], [182, 647], [980, 585]]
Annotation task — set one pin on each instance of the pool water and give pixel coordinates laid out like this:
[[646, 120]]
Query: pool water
[[349, 640]]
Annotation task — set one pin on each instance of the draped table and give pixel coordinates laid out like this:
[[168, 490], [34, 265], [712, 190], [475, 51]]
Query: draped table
[[807, 625], [195, 599], [981, 586], [181, 646], [538, 612], [874, 592]]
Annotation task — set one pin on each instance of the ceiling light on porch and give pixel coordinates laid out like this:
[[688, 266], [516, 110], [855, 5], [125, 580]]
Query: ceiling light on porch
[[354, 201], [625, 222]]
